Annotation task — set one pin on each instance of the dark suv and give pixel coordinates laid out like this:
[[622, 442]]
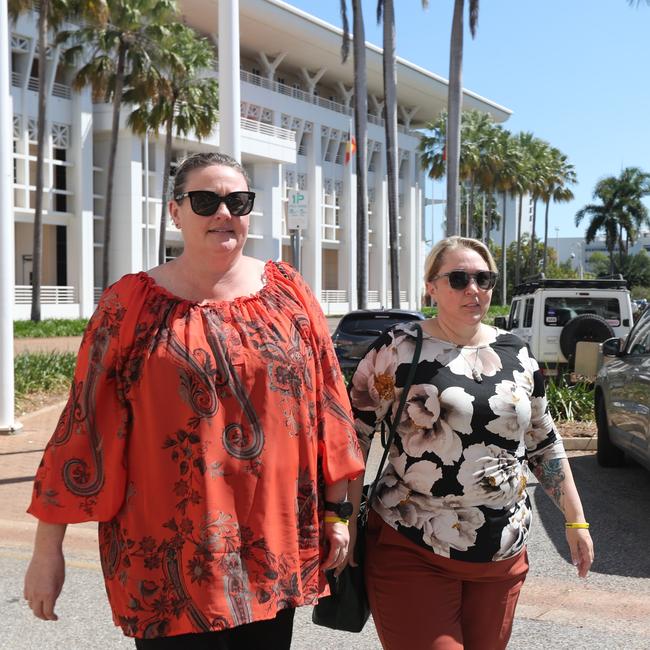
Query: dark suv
[[357, 330]]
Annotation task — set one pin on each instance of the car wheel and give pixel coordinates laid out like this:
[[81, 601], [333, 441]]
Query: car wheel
[[606, 453]]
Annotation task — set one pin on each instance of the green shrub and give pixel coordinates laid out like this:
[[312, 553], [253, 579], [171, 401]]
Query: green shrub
[[43, 372], [570, 402], [49, 327]]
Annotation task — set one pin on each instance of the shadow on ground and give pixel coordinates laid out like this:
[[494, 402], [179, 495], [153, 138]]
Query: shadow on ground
[[617, 505]]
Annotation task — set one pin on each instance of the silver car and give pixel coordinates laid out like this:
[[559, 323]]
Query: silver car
[[622, 398]]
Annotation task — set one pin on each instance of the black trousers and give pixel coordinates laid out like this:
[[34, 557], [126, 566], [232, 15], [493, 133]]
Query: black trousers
[[272, 634]]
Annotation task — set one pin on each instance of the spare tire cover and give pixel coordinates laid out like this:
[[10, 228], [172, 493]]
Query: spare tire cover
[[585, 327]]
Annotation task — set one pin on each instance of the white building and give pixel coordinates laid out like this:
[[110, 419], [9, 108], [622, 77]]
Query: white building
[[296, 117]]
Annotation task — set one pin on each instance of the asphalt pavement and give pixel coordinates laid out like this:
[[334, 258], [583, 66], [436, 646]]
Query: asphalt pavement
[[611, 609]]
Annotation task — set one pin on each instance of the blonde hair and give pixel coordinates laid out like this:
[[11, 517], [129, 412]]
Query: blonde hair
[[436, 256]]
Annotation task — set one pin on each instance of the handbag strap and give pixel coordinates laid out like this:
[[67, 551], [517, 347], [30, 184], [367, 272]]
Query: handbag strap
[[400, 407]]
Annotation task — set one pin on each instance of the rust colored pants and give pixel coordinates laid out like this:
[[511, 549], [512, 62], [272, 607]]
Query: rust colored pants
[[422, 601]]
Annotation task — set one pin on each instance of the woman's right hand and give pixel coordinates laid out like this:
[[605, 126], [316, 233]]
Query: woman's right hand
[[43, 583], [46, 571]]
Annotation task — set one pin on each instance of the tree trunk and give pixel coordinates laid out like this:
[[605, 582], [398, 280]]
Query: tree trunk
[[361, 134], [165, 186], [454, 106], [533, 252], [390, 123], [110, 171], [548, 201], [518, 264], [471, 230], [504, 280], [37, 250]]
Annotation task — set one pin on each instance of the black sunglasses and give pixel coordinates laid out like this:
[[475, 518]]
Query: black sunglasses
[[460, 279], [205, 203]]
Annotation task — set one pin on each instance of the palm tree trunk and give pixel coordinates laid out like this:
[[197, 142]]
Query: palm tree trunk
[[518, 265], [390, 122], [504, 280], [37, 250], [361, 134], [533, 252], [548, 201], [166, 174], [454, 106], [110, 171], [472, 200]]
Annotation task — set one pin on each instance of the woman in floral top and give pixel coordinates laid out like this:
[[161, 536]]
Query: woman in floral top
[[446, 544], [207, 423]]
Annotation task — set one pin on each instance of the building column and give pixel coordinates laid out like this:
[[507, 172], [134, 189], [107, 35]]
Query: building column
[[80, 260], [269, 177], [380, 225], [7, 253], [312, 252], [348, 245], [229, 84], [409, 230], [126, 236]]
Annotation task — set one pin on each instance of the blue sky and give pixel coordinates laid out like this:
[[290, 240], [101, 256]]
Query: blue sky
[[574, 72]]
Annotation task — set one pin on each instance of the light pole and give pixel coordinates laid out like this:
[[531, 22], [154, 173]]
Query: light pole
[[557, 244]]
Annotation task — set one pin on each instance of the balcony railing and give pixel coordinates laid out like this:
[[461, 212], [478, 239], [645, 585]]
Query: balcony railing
[[50, 295], [333, 295], [16, 79], [58, 90], [268, 129]]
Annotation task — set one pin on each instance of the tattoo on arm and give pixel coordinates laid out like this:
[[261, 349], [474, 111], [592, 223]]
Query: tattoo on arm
[[551, 477]]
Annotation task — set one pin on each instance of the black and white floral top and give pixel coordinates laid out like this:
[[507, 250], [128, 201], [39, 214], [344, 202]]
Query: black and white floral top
[[475, 417]]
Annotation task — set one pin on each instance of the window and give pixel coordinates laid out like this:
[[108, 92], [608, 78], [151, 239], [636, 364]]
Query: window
[[559, 311], [528, 312], [640, 341], [513, 320]]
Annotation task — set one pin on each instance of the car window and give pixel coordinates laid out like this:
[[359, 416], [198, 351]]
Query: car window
[[513, 320], [371, 324], [558, 311], [639, 342], [528, 312]]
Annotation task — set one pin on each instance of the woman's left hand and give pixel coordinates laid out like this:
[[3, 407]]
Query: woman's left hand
[[582, 549], [337, 538]]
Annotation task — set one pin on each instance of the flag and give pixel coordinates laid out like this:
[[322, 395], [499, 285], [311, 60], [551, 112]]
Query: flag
[[350, 148]]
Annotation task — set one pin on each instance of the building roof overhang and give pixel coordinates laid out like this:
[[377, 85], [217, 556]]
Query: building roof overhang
[[274, 27]]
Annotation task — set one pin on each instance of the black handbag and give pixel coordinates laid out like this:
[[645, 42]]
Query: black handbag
[[347, 607]]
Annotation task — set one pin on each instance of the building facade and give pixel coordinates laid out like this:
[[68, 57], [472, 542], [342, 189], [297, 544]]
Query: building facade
[[296, 120]]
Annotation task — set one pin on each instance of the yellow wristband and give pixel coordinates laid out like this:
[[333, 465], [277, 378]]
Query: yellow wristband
[[572, 524], [336, 520]]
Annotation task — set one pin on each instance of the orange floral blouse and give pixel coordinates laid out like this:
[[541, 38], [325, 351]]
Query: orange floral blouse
[[200, 436]]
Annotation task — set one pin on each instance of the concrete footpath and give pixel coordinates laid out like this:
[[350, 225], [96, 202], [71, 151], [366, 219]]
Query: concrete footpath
[[610, 610]]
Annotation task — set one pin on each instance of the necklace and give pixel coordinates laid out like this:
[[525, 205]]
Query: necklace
[[476, 375]]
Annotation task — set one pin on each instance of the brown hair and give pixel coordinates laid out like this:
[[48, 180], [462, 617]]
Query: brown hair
[[436, 256], [201, 160]]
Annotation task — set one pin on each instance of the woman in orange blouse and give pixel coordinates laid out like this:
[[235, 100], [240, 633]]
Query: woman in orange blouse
[[207, 424]]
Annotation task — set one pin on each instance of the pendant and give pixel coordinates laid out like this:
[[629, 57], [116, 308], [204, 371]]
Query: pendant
[[477, 376]]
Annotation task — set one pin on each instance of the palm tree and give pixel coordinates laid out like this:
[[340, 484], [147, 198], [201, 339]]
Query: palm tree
[[478, 137], [620, 208], [540, 162], [123, 52], [521, 185], [561, 174], [51, 14], [361, 136], [454, 107], [182, 100], [385, 8]]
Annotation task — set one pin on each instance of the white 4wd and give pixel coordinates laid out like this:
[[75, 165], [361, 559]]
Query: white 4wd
[[553, 315]]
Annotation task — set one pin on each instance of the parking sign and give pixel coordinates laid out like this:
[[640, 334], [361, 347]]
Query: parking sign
[[297, 213]]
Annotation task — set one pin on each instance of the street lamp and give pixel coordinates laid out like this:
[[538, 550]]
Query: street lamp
[[579, 244]]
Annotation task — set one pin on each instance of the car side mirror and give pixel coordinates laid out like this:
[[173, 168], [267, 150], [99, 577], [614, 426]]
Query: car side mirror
[[612, 347], [501, 322]]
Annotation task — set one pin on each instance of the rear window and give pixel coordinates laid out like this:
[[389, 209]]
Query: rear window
[[559, 311], [370, 324]]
